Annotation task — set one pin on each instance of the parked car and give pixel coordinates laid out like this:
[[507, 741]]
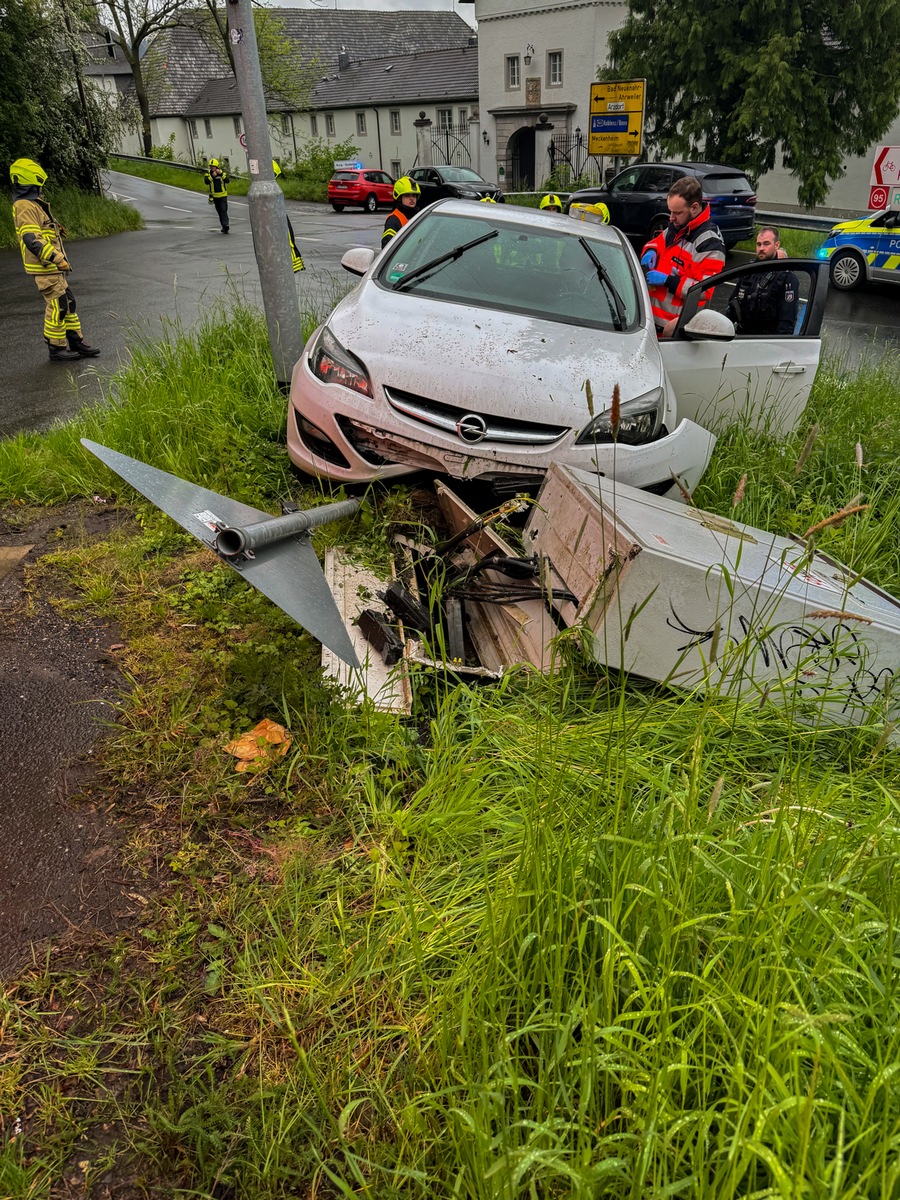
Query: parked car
[[352, 186], [866, 249], [469, 343], [636, 198], [439, 183]]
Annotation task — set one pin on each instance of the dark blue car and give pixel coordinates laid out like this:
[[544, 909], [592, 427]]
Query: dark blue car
[[636, 198]]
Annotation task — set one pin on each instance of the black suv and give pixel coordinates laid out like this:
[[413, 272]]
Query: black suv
[[457, 183], [636, 198]]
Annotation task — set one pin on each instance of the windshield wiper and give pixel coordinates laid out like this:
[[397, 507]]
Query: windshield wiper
[[603, 276], [418, 272]]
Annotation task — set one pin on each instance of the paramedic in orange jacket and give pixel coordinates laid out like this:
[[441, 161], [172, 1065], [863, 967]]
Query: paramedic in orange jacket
[[687, 251]]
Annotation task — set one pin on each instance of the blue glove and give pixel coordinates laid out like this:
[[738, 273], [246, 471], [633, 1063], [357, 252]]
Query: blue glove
[[648, 260], [657, 278]]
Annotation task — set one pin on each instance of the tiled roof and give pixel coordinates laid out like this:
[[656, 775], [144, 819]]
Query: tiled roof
[[101, 56], [405, 78], [219, 98], [182, 61]]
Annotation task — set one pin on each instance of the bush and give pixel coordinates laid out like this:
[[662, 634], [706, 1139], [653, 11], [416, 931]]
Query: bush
[[306, 178]]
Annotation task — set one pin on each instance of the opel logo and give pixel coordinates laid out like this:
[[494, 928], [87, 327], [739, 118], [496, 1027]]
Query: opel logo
[[471, 428]]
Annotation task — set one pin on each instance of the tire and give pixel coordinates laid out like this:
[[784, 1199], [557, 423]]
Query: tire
[[657, 225], [337, 207], [847, 270], [370, 204]]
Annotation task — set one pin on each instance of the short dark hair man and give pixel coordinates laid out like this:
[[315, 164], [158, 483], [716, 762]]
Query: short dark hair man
[[689, 250], [767, 301]]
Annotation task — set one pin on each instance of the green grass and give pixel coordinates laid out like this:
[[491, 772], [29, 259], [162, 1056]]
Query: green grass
[[83, 215], [797, 243], [573, 937], [161, 172]]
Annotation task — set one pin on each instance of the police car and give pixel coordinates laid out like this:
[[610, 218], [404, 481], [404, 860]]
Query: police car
[[866, 249]]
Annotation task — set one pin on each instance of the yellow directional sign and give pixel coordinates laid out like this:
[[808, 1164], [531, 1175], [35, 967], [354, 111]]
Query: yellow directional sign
[[617, 117]]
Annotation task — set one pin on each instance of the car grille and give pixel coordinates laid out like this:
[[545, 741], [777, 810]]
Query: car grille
[[472, 428]]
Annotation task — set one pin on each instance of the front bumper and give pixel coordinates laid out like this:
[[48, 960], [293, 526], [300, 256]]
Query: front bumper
[[342, 436]]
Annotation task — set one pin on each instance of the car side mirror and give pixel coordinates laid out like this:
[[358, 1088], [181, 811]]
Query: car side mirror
[[358, 260], [707, 325]]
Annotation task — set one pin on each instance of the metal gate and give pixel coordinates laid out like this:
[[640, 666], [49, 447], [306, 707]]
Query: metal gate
[[570, 162], [450, 146]]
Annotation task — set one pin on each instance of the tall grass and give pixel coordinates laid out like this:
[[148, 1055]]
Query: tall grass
[[192, 181], [796, 243], [83, 215], [574, 936]]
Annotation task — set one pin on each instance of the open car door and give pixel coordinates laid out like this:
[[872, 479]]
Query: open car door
[[722, 375]]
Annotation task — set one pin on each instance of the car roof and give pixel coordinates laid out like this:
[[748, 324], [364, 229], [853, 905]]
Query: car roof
[[528, 218], [705, 168]]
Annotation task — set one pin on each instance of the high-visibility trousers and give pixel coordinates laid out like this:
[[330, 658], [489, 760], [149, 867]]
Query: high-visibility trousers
[[60, 316]]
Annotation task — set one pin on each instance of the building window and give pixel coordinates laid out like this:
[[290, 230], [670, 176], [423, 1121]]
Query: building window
[[554, 68], [463, 116], [329, 124], [395, 121], [237, 126], [445, 118], [396, 168], [285, 125], [513, 76], [361, 124], [314, 126], [193, 124], [207, 125]]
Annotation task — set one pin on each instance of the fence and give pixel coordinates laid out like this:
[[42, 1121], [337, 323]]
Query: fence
[[570, 161]]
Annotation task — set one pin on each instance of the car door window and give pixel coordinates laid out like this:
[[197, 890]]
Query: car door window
[[656, 179], [768, 302], [419, 175], [626, 182]]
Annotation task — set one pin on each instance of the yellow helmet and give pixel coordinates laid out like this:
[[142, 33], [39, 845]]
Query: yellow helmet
[[551, 201], [488, 200], [276, 168], [25, 172], [405, 186], [213, 162], [597, 214]]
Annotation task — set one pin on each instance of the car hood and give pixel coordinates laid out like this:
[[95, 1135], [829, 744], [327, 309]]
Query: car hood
[[500, 363], [851, 226]]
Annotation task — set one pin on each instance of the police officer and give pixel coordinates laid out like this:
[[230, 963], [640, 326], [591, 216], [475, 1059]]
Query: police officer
[[296, 257], [767, 301], [406, 193], [44, 257], [217, 181]]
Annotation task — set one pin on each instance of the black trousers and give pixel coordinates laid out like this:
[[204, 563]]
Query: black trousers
[[221, 203]]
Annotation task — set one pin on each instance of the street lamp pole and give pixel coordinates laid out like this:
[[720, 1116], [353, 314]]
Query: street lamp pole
[[268, 217]]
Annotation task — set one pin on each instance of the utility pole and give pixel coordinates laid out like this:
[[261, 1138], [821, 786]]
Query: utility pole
[[268, 217]]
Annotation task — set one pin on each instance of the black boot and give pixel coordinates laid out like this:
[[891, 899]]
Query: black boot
[[62, 354], [79, 346]]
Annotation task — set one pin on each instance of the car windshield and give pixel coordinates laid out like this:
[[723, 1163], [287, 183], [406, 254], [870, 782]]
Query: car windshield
[[526, 269], [726, 185], [460, 175]]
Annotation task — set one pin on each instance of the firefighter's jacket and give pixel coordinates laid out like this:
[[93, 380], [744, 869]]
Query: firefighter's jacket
[[687, 256], [40, 236], [395, 222], [217, 184]]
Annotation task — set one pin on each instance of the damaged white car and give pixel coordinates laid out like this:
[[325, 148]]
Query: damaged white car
[[487, 342]]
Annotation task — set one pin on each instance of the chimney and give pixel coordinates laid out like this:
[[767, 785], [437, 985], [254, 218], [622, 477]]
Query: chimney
[[343, 59]]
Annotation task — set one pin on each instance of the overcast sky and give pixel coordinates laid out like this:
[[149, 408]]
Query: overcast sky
[[466, 11]]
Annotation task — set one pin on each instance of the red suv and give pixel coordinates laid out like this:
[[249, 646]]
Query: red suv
[[365, 187]]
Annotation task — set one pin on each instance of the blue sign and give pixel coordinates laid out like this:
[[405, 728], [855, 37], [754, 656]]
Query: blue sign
[[617, 124]]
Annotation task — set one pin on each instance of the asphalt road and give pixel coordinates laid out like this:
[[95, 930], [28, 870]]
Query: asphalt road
[[131, 285]]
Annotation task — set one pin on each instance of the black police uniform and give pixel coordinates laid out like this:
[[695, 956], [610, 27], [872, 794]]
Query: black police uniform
[[765, 302]]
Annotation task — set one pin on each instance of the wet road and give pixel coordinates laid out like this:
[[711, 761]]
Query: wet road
[[130, 285]]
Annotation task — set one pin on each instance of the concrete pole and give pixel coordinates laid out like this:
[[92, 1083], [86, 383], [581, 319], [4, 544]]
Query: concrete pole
[[268, 217]]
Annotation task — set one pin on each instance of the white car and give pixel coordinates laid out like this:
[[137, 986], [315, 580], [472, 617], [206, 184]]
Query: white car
[[487, 342]]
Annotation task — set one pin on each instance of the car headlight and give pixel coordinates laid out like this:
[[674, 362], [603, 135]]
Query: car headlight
[[467, 193], [333, 363], [639, 422]]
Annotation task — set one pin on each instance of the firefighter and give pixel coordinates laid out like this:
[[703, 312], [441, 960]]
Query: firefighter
[[40, 240], [406, 193], [551, 203], [296, 257], [217, 181]]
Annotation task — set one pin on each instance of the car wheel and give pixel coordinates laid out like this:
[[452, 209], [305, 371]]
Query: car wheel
[[657, 225], [371, 202], [338, 207], [847, 270]]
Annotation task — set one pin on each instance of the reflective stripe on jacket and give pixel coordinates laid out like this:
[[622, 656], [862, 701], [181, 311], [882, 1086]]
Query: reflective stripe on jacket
[[217, 184], [39, 237], [687, 255], [394, 224]]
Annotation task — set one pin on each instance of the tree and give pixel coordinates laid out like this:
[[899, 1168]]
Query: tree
[[746, 81]]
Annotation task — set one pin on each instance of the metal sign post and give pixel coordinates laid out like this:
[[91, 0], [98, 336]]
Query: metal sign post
[[617, 117], [268, 216]]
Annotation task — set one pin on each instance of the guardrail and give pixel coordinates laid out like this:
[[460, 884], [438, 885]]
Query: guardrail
[[789, 220], [159, 162]]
